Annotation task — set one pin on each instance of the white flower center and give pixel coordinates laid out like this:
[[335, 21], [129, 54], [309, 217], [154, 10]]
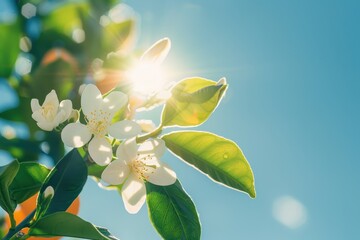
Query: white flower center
[[141, 168], [98, 122], [48, 111]]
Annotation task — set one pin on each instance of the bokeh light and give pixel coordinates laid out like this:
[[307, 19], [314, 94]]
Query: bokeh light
[[290, 212]]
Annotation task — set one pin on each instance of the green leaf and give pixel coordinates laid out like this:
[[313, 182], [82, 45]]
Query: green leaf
[[219, 158], [192, 102], [27, 181], [67, 179], [117, 36], [106, 233], [68, 225], [10, 35], [95, 170], [172, 212], [7, 175]]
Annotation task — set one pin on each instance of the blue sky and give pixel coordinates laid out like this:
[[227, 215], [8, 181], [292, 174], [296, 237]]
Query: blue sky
[[293, 107]]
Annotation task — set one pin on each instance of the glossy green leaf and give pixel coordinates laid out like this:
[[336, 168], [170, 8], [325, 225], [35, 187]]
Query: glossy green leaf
[[192, 102], [219, 158], [27, 181], [10, 34], [172, 212], [7, 175], [68, 225], [67, 179]]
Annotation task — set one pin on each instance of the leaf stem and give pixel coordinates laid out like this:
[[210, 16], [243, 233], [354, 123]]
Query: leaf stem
[[152, 134], [24, 223], [12, 220]]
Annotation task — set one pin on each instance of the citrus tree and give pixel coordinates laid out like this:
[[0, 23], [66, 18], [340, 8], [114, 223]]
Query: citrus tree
[[79, 83]]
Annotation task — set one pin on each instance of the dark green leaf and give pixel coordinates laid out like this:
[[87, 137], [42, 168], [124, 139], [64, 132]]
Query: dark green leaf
[[192, 102], [106, 233], [67, 179], [7, 175], [69, 225], [172, 212], [27, 181], [219, 158]]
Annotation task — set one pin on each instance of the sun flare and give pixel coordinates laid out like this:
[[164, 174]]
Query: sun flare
[[147, 77]]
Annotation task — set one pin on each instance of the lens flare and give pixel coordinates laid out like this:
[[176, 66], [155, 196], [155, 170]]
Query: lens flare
[[147, 77]]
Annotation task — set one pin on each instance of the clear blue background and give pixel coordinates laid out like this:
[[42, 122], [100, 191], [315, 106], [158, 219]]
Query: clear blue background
[[292, 106]]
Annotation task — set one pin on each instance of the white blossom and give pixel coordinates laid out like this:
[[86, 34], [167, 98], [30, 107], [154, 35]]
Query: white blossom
[[99, 113], [134, 165], [51, 113]]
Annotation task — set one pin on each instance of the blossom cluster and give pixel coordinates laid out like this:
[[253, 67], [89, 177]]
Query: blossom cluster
[[133, 163]]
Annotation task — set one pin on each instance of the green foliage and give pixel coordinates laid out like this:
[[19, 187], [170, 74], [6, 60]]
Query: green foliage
[[24, 149], [69, 225], [9, 34], [95, 170], [172, 212], [27, 181], [117, 35], [219, 158], [73, 34], [58, 74], [7, 175], [67, 179], [192, 102]]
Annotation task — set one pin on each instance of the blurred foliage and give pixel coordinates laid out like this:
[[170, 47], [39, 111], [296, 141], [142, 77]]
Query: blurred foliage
[[58, 45]]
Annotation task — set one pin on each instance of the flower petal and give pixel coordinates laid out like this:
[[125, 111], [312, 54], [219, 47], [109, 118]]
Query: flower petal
[[66, 106], [91, 99], [133, 194], [52, 99], [100, 151], [127, 150], [35, 105], [46, 126], [75, 135], [124, 129], [157, 52], [114, 101], [146, 125], [116, 172], [38, 116], [163, 175], [153, 146], [59, 118]]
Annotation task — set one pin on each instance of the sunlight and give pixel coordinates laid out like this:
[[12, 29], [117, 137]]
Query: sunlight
[[147, 77]]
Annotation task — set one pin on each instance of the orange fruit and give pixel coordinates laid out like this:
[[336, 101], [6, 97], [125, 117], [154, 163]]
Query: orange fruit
[[28, 206]]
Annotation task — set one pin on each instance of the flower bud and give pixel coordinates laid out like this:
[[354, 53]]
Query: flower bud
[[74, 116], [49, 192], [222, 81], [157, 52]]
